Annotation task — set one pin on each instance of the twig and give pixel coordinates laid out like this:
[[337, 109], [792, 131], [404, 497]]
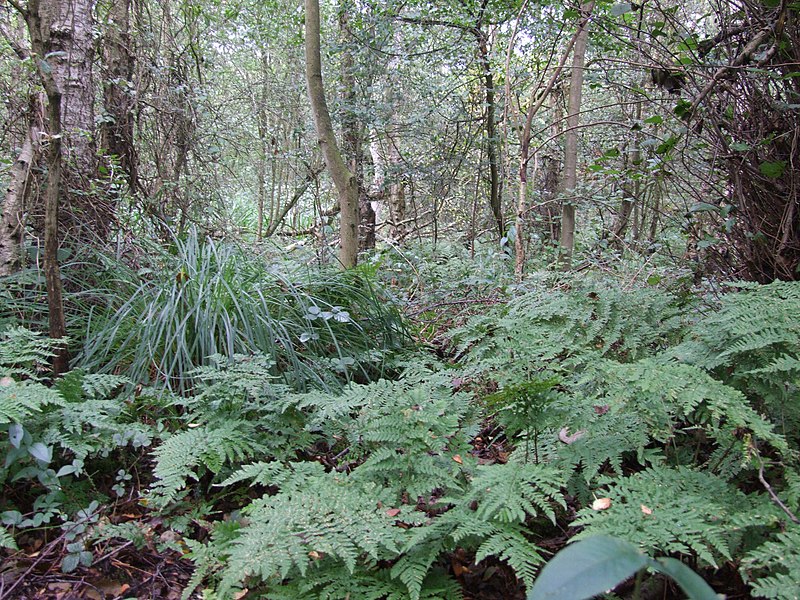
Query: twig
[[455, 303], [774, 496], [42, 555], [112, 553]]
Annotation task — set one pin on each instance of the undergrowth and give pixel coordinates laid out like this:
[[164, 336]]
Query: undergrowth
[[580, 406]]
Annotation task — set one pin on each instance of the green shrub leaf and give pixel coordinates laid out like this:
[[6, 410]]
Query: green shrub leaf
[[587, 568]]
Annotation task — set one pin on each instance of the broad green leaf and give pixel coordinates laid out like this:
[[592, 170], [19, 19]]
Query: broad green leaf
[[691, 583], [621, 8], [70, 563], [587, 568], [773, 170], [41, 452], [703, 207], [15, 434]]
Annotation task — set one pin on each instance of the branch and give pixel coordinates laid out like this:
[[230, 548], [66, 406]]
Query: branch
[[438, 22], [19, 8], [741, 59], [774, 496]]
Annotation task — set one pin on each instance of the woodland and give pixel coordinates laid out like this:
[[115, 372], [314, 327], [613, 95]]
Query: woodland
[[399, 299]]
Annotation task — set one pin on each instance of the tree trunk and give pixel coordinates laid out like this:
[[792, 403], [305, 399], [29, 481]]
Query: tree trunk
[[352, 133], [51, 62], [397, 192], [570, 181], [525, 142], [22, 182], [116, 132], [345, 181], [66, 31], [495, 202]]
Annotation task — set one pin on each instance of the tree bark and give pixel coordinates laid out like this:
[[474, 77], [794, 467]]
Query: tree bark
[[344, 180], [570, 180], [67, 33], [50, 57], [116, 131], [495, 202], [12, 227], [21, 183]]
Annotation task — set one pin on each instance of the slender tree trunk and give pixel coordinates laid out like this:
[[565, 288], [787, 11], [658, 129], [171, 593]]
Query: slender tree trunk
[[12, 227], [22, 183], [344, 180], [397, 191], [495, 201], [352, 133], [631, 190], [525, 142], [570, 181], [116, 133]]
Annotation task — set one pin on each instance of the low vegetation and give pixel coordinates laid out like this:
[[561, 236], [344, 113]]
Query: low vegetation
[[278, 434]]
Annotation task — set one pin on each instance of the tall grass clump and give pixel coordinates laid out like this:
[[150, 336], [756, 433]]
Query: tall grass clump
[[210, 298]]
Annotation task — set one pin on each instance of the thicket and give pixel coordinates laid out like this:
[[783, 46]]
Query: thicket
[[556, 410]]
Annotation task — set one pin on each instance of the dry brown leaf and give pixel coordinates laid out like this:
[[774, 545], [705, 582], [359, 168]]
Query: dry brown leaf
[[601, 504], [392, 512], [565, 437], [458, 459]]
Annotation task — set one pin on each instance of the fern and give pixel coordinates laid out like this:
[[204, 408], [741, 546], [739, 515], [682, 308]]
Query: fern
[[512, 493], [418, 444], [7, 539], [331, 520], [781, 556], [20, 400], [753, 343], [25, 353], [367, 584], [572, 325], [665, 510], [210, 446]]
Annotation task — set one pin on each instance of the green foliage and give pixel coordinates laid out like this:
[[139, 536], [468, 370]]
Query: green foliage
[[216, 298], [753, 344], [52, 437], [208, 446], [566, 326], [369, 489], [598, 563], [328, 519], [665, 510], [25, 353], [525, 408], [775, 566]]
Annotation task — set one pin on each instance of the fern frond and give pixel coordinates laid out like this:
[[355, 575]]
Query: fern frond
[[207, 445], [779, 561], [19, 400], [509, 544], [290, 531], [664, 510], [414, 566], [7, 540], [23, 353], [511, 493]]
